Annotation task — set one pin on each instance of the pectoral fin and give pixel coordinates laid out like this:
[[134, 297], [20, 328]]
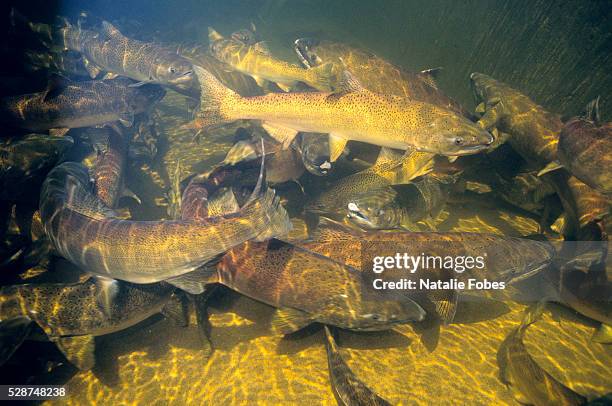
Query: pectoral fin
[[429, 222], [445, 302], [389, 156], [287, 320], [336, 146], [553, 166], [79, 350], [195, 282], [284, 135], [241, 151], [415, 164]]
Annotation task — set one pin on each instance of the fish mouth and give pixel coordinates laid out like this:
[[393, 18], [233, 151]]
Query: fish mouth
[[303, 49], [353, 212], [185, 77], [319, 170], [355, 215], [471, 149]]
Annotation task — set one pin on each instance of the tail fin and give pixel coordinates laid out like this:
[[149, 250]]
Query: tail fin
[[322, 77], [268, 207], [275, 215], [212, 96]]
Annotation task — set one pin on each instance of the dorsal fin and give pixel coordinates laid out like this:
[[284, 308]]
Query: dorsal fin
[[86, 203], [430, 76], [213, 35], [592, 111], [56, 85], [109, 29], [348, 83]]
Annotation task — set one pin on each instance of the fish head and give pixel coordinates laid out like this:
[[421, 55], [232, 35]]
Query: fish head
[[447, 133], [145, 96], [375, 315], [176, 72], [246, 36], [374, 210], [305, 48], [315, 155]]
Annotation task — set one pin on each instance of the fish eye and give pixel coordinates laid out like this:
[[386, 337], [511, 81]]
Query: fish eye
[[458, 140], [375, 317], [172, 69]]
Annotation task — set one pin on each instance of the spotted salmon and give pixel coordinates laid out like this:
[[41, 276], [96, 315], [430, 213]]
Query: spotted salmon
[[353, 113], [84, 231]]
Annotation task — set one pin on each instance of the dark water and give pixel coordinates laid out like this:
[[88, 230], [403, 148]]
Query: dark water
[[559, 54]]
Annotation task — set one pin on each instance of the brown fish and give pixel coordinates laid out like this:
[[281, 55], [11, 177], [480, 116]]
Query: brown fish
[[390, 168], [351, 113], [307, 287], [256, 61], [585, 150], [71, 315], [67, 104], [506, 259]]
